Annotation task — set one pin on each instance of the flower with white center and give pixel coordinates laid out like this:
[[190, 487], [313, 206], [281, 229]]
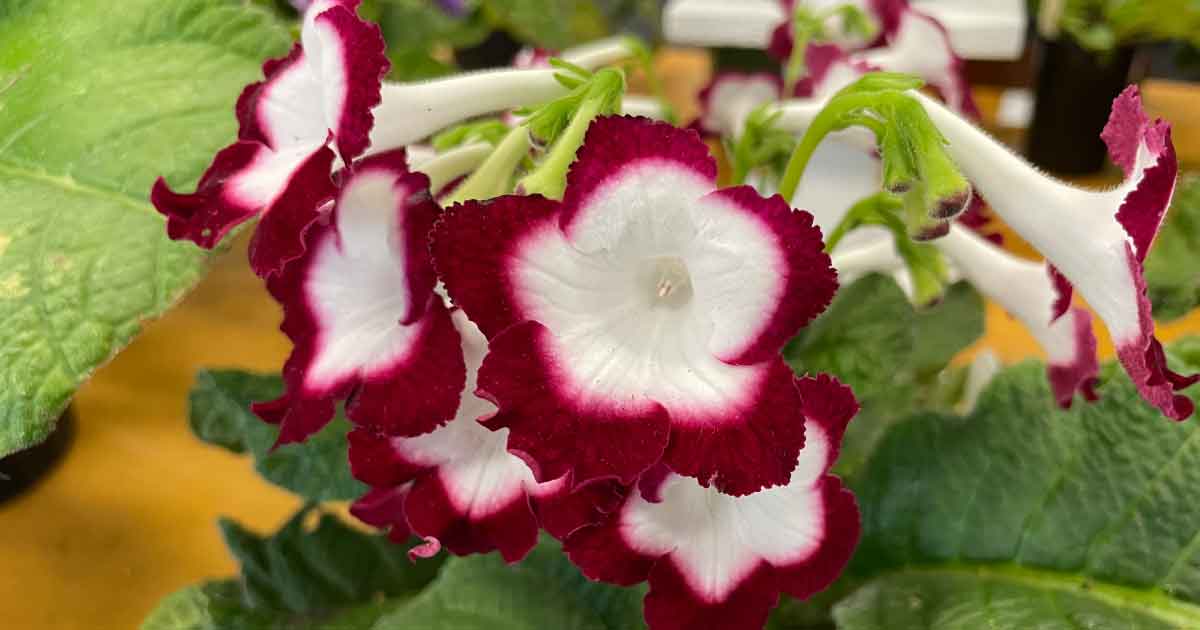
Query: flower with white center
[[728, 99], [458, 485], [360, 310], [1097, 240], [329, 91], [719, 562], [910, 41], [640, 319], [321, 93]]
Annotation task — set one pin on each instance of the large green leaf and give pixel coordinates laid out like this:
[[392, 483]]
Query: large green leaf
[[317, 570], [326, 576], [1172, 275], [96, 100], [317, 469], [542, 591], [892, 356], [1022, 515]]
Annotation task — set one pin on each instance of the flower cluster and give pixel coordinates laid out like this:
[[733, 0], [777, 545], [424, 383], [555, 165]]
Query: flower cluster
[[592, 347]]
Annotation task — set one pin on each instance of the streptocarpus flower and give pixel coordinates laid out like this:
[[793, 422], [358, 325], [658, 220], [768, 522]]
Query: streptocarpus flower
[[321, 93], [639, 320], [1097, 240], [730, 97], [1027, 290], [360, 310], [457, 485], [720, 562], [328, 90]]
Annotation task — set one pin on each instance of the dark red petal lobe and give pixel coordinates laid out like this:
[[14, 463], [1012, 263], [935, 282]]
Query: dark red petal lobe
[[780, 46], [249, 126], [562, 511], [830, 404], [1080, 375], [671, 603], [977, 216], [384, 508], [809, 279], [206, 216], [472, 248], [1125, 129], [755, 447], [376, 462], [364, 64], [1062, 291], [420, 394], [1144, 360], [613, 143], [550, 429], [279, 237], [889, 13], [1143, 210], [512, 530], [602, 554], [843, 526], [298, 417]]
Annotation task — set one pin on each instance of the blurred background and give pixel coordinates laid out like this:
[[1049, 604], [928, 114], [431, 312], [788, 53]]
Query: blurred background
[[118, 508]]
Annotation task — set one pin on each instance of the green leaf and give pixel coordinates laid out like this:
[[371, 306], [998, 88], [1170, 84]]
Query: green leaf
[[1172, 276], [316, 469], [542, 591], [863, 338], [1024, 515], [96, 100], [319, 570], [219, 606], [944, 329], [553, 24]]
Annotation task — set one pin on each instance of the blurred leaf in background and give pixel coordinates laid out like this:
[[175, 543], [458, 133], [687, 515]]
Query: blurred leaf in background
[[1173, 266]]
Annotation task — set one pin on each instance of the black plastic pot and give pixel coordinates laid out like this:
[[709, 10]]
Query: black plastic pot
[[496, 51], [1075, 91], [20, 471]]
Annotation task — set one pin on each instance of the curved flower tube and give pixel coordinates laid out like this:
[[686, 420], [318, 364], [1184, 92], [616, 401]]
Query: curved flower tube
[[1026, 290], [1097, 240], [639, 320], [321, 93], [719, 562], [360, 310], [458, 486]]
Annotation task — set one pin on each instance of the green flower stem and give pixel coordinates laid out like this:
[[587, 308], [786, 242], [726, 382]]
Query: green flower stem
[[828, 120], [860, 213], [494, 177], [600, 94], [454, 163]]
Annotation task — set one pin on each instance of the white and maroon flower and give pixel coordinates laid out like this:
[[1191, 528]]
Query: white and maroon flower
[[320, 94], [910, 41], [328, 91], [640, 319], [1096, 240], [360, 310], [1030, 292], [460, 485], [720, 562], [731, 96]]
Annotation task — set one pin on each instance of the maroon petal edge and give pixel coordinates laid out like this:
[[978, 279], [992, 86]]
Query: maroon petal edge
[[553, 433], [364, 64], [614, 143], [1081, 373]]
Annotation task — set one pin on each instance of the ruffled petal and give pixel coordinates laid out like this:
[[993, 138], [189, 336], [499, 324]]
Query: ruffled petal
[[624, 163], [466, 490], [360, 309], [761, 272], [718, 561]]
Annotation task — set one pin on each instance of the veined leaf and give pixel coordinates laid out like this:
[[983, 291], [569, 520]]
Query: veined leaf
[[316, 469], [1023, 515], [96, 100]]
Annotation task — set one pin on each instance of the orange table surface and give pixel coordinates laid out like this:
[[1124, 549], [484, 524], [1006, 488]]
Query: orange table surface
[[129, 515]]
